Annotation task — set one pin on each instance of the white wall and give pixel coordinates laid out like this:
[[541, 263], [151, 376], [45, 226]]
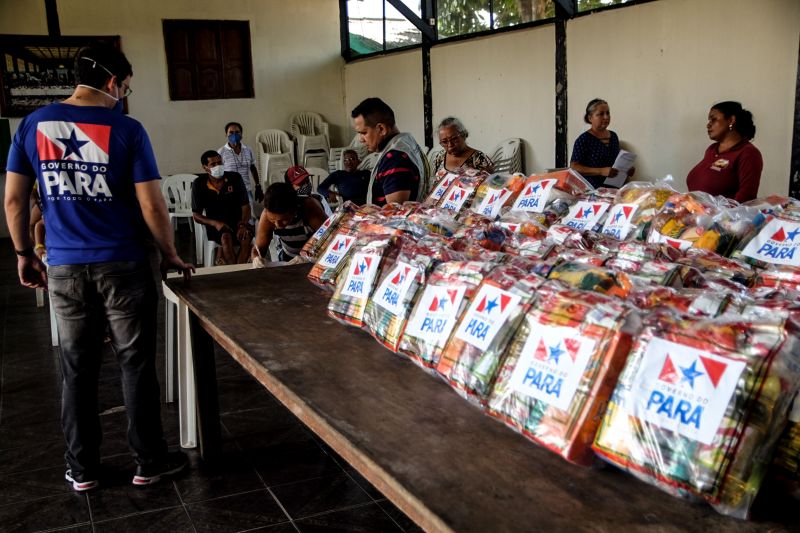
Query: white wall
[[500, 86], [661, 65], [297, 66], [397, 80]]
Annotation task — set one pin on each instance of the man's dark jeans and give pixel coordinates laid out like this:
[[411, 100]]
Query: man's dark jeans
[[86, 298]]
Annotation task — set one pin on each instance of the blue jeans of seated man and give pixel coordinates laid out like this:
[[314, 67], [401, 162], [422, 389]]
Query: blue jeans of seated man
[[85, 298]]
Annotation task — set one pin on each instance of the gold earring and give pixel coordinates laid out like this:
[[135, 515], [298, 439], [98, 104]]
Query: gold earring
[[730, 127]]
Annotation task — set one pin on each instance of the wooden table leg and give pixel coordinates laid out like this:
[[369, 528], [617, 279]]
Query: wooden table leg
[[205, 375]]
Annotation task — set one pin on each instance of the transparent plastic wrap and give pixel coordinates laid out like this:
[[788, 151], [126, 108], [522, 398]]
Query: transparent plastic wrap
[[774, 246], [331, 261], [399, 287], [524, 223], [691, 302], [492, 238], [683, 219], [634, 207], [562, 367], [449, 289], [711, 264], [727, 229], [700, 404], [497, 191], [592, 278], [786, 464], [359, 276], [319, 240], [443, 181], [436, 220], [586, 215], [476, 348], [459, 195], [551, 194]]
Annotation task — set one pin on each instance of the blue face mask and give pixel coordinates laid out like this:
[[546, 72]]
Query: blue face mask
[[234, 138]]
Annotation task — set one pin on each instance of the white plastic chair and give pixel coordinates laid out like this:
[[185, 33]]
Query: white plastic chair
[[310, 134], [177, 191], [507, 156], [369, 161], [205, 249], [432, 156], [275, 154], [336, 154]]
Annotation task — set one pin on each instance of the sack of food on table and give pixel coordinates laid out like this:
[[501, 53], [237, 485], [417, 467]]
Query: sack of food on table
[[475, 350], [399, 287], [684, 218], [496, 192], [592, 278], [551, 194], [330, 262], [450, 287], [691, 302], [635, 205], [774, 246], [700, 404], [443, 179], [458, 197], [357, 279], [561, 368], [320, 238]]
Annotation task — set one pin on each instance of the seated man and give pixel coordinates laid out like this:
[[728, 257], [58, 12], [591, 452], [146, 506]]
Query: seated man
[[291, 217], [402, 170], [220, 203], [351, 183], [299, 178]]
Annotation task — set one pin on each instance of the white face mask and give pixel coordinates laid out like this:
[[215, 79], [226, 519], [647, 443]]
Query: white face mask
[[217, 171]]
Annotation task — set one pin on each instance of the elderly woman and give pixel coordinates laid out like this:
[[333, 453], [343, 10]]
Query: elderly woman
[[457, 155], [732, 166], [596, 149]]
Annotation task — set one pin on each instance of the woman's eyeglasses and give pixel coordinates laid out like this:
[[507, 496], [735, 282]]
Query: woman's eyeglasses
[[449, 141]]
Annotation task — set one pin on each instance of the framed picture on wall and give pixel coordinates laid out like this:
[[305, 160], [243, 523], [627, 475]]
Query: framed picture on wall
[[38, 69]]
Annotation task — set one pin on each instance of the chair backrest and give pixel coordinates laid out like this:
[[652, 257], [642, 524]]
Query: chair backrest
[[369, 161], [274, 142], [432, 156], [507, 156], [308, 123], [177, 191]]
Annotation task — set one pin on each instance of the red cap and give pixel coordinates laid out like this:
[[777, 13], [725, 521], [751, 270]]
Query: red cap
[[297, 174]]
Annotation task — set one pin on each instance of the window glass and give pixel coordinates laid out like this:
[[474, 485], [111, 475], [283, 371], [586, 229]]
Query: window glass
[[365, 26], [586, 5], [459, 17], [399, 30], [513, 12]]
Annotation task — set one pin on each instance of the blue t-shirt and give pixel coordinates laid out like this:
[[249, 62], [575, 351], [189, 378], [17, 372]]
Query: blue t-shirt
[[395, 172], [351, 185], [87, 160], [590, 151]]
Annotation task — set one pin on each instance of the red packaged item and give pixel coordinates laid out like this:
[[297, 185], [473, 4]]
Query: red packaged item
[[458, 196], [443, 181], [591, 278], [332, 259], [496, 192], [561, 369]]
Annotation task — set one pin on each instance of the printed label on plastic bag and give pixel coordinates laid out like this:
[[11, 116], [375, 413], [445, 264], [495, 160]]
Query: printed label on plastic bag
[[392, 291], [360, 275], [618, 224], [584, 215], [551, 365], [492, 203], [777, 242], [456, 198], [321, 230], [336, 250], [659, 238], [442, 186], [486, 315], [439, 305], [683, 389], [534, 196]]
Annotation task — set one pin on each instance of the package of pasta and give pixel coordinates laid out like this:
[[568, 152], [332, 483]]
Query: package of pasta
[[551, 194], [443, 181], [497, 191], [449, 288], [711, 263], [396, 293], [561, 368], [634, 207], [333, 257], [592, 278], [359, 276], [692, 302], [700, 404], [458, 197], [319, 240], [477, 346]]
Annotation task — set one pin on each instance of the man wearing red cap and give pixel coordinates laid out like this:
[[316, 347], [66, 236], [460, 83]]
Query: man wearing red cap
[[299, 178]]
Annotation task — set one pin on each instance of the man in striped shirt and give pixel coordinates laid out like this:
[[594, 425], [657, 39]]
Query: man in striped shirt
[[291, 217]]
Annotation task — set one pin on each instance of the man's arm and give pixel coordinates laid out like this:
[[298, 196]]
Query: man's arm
[[32, 272], [243, 231], [156, 216], [315, 213], [202, 219], [263, 236], [398, 197]]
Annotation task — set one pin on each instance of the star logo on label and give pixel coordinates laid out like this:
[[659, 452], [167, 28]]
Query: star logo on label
[[617, 216], [492, 198], [400, 277], [555, 352], [690, 373], [792, 234], [362, 266], [715, 369], [455, 196], [668, 372], [72, 145], [532, 189], [436, 303], [779, 235], [587, 212]]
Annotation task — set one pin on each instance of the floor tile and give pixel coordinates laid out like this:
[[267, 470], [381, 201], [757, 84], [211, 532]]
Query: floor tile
[[231, 474], [237, 512], [50, 453], [367, 518], [33, 433], [53, 512], [320, 495], [400, 518], [174, 520], [286, 463], [241, 393], [33, 484]]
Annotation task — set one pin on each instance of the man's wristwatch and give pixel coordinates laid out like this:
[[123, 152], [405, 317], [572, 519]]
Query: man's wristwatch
[[27, 252]]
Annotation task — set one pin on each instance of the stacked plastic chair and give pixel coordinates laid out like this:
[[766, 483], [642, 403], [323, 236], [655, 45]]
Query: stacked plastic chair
[[311, 138], [275, 155], [507, 156]]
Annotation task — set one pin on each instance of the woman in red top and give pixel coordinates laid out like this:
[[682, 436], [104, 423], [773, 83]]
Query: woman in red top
[[731, 166]]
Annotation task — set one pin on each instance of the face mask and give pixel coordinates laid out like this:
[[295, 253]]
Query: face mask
[[217, 171], [304, 190], [234, 138]]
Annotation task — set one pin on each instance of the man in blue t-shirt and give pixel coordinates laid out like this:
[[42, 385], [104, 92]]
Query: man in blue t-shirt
[[351, 183], [101, 201]]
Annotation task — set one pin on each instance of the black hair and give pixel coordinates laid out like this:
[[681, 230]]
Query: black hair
[[375, 111], [94, 65], [229, 124], [744, 118], [590, 108], [280, 198], [208, 154], [349, 151]]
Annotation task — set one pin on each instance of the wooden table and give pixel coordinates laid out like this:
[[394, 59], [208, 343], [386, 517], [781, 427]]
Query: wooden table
[[438, 458]]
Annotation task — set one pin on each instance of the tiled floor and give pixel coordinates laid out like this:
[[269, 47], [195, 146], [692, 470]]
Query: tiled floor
[[274, 475]]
